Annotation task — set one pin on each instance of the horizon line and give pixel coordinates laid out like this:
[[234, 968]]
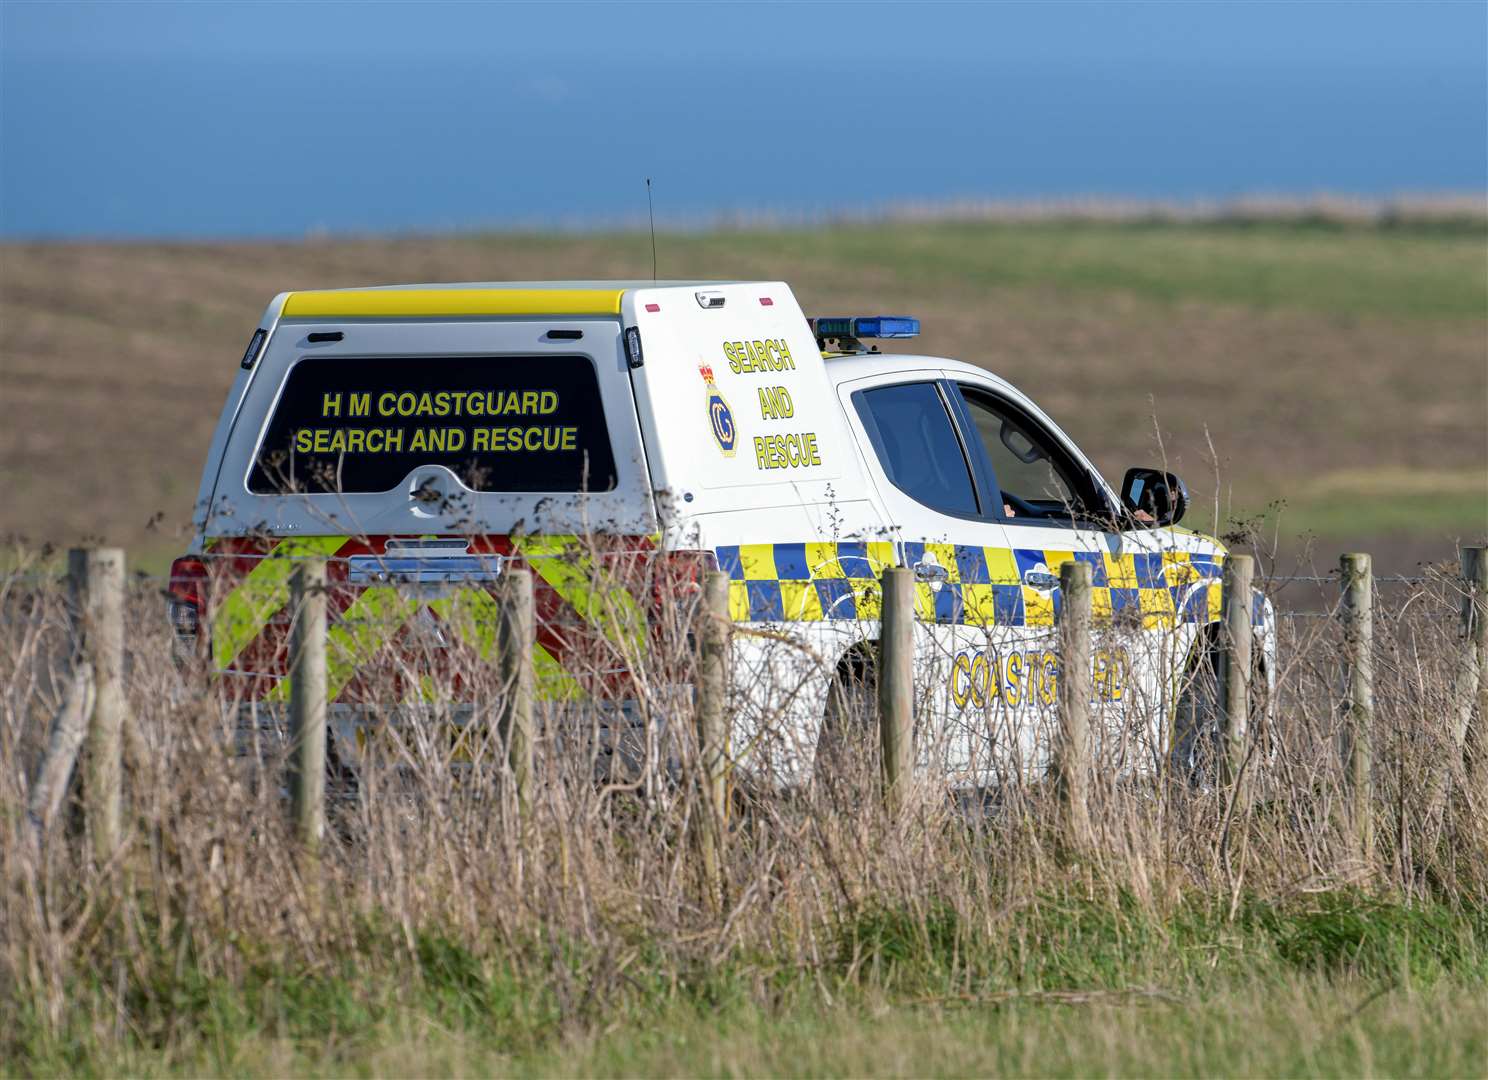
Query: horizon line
[[1447, 207]]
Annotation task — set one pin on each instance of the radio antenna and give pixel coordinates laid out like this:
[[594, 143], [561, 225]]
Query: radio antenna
[[651, 213]]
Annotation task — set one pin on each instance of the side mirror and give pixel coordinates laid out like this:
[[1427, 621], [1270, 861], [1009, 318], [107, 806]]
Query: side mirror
[[1153, 496]]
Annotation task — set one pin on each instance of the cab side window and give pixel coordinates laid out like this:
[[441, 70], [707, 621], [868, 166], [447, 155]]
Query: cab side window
[[917, 445], [1035, 478]]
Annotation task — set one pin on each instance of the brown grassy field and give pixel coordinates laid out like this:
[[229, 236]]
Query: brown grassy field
[[445, 929], [1340, 371]]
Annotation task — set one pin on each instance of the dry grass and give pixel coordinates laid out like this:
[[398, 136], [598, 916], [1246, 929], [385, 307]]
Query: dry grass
[[1308, 354], [442, 930]]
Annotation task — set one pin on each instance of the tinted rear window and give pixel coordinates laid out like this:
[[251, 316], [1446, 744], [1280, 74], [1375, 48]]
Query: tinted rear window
[[499, 423]]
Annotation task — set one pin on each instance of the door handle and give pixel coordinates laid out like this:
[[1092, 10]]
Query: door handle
[[1040, 579], [932, 572]]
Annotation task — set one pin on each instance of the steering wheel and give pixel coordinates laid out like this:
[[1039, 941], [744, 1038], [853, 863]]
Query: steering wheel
[[1023, 507]]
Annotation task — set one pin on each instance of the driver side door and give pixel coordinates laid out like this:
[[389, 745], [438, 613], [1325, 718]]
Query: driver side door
[[986, 577], [1055, 509]]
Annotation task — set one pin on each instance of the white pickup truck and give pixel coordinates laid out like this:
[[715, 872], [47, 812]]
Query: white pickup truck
[[433, 434]]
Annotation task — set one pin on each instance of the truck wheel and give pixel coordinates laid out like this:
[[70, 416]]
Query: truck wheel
[[847, 750], [1194, 752], [1194, 747]]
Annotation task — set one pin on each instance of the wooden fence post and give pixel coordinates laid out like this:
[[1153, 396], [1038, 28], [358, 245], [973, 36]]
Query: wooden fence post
[[1072, 753], [1234, 665], [1358, 731], [97, 583], [1472, 692], [714, 637], [896, 685], [516, 634], [69, 729], [1469, 741], [307, 702]]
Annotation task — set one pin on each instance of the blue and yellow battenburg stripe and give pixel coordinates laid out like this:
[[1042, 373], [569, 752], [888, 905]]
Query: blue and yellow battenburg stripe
[[984, 586], [805, 582]]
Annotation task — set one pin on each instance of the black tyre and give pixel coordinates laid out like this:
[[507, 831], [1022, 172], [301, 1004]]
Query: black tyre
[[847, 749], [1193, 755], [1193, 752]]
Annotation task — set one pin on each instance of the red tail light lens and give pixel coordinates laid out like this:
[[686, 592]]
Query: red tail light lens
[[677, 576], [188, 595], [676, 585]]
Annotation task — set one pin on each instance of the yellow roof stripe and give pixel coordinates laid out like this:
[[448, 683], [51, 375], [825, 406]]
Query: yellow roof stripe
[[406, 303]]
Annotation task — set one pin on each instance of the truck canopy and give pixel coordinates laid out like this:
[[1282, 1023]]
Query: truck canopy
[[489, 408]]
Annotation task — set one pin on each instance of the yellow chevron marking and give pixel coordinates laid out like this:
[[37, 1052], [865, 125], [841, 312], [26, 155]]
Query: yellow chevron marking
[[472, 615], [565, 565], [362, 630], [352, 640], [242, 614], [554, 683]]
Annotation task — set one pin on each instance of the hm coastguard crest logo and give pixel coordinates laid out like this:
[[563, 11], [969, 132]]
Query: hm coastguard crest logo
[[720, 416]]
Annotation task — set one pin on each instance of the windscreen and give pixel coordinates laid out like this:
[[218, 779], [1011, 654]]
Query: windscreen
[[499, 423]]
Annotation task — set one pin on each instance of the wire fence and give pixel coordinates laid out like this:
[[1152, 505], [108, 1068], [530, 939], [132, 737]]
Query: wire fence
[[428, 822], [1272, 585]]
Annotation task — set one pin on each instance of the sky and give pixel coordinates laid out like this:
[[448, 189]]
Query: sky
[[275, 119]]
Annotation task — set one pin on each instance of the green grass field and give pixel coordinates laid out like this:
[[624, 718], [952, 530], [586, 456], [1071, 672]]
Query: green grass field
[[1332, 985], [1331, 367], [1416, 273]]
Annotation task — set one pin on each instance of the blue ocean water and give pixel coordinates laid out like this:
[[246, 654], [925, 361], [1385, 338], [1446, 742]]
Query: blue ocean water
[[272, 120]]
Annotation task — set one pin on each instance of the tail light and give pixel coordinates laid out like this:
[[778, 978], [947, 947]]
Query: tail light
[[676, 586], [188, 595], [677, 577]]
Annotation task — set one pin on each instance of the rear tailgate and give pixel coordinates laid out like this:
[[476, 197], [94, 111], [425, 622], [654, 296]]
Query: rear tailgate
[[425, 457]]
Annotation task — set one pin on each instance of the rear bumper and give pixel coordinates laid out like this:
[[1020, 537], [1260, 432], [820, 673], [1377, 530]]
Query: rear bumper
[[619, 741]]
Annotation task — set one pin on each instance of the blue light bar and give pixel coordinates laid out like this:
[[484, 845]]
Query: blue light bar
[[868, 326]]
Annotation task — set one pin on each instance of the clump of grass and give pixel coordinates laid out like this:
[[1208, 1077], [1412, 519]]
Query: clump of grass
[[1355, 933]]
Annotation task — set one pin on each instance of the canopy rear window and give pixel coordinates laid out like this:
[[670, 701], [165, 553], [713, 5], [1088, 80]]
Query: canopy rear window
[[499, 423]]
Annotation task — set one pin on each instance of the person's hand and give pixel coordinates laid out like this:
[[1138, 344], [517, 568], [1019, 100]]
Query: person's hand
[[1144, 517], [1008, 511]]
